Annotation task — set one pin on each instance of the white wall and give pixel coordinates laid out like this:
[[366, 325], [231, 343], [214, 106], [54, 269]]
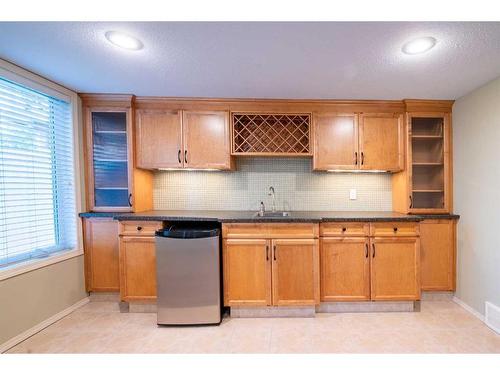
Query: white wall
[[476, 147]]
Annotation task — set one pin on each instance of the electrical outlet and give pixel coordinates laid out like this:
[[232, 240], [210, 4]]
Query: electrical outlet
[[352, 194]]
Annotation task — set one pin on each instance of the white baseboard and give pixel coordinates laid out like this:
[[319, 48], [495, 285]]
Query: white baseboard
[[474, 312], [47, 322]]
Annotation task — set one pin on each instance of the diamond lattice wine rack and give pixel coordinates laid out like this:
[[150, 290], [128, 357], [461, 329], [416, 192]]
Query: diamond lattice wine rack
[[271, 134]]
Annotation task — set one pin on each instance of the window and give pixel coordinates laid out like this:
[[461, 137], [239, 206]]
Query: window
[[37, 192]]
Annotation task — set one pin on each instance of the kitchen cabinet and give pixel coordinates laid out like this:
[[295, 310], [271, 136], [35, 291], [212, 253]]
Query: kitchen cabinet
[[335, 141], [425, 186], [381, 142], [159, 139], [345, 269], [395, 268], [438, 255], [247, 272], [366, 141], [183, 139], [262, 267], [100, 236], [295, 272], [113, 182], [376, 261], [138, 261]]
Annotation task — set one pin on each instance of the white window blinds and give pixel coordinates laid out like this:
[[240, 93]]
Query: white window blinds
[[37, 193]]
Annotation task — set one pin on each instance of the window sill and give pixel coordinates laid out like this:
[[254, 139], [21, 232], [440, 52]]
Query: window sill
[[35, 264]]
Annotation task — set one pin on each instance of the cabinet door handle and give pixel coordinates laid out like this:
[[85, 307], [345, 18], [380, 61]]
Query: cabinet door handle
[[185, 156], [274, 251], [179, 156], [362, 158], [267, 252], [366, 250], [130, 199], [373, 246], [411, 202], [356, 158]]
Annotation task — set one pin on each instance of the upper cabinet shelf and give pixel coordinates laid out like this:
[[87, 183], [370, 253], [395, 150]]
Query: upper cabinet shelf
[[271, 134]]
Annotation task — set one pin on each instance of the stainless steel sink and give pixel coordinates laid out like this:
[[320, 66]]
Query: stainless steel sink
[[272, 214]]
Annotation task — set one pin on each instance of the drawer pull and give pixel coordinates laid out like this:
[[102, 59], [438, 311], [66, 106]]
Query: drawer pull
[[344, 229], [139, 228], [395, 229]]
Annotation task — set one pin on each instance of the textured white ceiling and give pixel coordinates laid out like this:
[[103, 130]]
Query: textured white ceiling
[[261, 60]]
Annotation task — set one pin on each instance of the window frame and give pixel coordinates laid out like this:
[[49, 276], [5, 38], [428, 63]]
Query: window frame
[[33, 81]]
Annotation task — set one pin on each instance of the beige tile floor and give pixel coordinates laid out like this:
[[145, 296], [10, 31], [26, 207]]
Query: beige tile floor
[[99, 327]]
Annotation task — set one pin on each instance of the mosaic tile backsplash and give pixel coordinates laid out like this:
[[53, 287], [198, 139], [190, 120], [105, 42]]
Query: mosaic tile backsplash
[[297, 188]]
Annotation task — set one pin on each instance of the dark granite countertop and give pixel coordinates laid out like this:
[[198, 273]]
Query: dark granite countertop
[[249, 216]]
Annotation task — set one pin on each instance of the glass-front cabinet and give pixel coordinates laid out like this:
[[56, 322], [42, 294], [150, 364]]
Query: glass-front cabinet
[[429, 162]]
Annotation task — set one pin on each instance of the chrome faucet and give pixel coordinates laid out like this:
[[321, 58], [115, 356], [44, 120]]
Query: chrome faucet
[[271, 194], [262, 209]]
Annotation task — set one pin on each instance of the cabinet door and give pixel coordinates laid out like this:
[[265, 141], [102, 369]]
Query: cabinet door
[[395, 268], [206, 139], [137, 268], [247, 272], [381, 142], [335, 141], [159, 139], [295, 269], [101, 255], [345, 269], [109, 158], [437, 242]]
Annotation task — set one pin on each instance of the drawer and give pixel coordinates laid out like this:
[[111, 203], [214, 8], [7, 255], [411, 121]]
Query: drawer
[[139, 228], [344, 229], [394, 229], [265, 230]]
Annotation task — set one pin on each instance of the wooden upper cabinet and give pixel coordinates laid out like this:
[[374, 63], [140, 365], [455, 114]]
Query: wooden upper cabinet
[[335, 141], [113, 182], [101, 254], [381, 142], [206, 139], [159, 139], [247, 272], [395, 268], [438, 254], [295, 269]]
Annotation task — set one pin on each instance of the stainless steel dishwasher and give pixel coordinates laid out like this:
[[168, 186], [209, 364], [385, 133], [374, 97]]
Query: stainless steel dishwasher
[[188, 274]]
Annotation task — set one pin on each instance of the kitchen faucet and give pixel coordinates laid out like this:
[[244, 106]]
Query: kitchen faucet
[[271, 194]]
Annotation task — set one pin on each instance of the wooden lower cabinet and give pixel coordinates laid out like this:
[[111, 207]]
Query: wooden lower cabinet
[[395, 268], [295, 273], [247, 272], [345, 269], [137, 268], [271, 272], [101, 254], [438, 254]]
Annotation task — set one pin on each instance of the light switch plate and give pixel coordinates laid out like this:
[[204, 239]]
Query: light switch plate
[[352, 194]]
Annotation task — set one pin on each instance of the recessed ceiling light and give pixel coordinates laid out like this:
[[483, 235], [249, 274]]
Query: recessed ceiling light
[[123, 40], [419, 45]]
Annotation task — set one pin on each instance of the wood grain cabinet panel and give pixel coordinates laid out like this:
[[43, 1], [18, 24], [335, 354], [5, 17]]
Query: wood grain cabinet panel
[[159, 139], [137, 268], [101, 255], [247, 272], [345, 269], [335, 141], [438, 254], [395, 268], [295, 272], [206, 139], [381, 142]]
